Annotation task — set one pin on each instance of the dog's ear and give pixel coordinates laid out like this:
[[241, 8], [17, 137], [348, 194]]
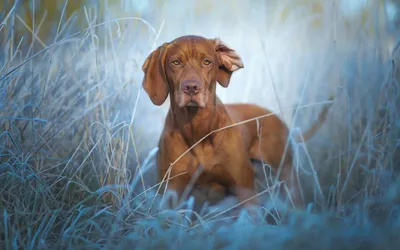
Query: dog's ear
[[229, 62], [155, 81]]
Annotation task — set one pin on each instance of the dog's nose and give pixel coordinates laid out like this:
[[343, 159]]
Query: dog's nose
[[191, 87]]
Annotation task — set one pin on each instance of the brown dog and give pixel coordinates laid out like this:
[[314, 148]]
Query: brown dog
[[188, 69]]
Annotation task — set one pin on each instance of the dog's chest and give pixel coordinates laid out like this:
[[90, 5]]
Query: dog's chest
[[206, 156]]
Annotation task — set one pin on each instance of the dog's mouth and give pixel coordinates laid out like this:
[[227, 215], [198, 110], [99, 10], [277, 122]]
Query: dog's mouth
[[191, 104], [195, 104]]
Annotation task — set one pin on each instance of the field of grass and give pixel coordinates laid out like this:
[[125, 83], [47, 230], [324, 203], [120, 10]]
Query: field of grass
[[78, 134]]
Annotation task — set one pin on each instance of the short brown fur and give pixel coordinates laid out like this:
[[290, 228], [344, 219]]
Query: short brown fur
[[188, 69]]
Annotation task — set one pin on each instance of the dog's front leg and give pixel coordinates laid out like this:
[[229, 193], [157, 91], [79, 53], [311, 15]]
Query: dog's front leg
[[243, 176], [175, 168], [177, 183]]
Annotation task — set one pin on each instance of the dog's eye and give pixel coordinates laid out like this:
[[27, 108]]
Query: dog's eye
[[176, 62], [206, 62]]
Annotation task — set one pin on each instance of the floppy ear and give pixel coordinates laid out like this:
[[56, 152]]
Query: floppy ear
[[229, 62], [155, 81]]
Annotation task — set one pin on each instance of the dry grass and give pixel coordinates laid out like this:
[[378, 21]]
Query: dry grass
[[75, 131]]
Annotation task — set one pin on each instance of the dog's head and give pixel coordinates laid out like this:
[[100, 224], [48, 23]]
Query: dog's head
[[189, 68]]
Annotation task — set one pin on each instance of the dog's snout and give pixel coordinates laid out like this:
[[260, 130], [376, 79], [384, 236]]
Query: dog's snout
[[191, 87]]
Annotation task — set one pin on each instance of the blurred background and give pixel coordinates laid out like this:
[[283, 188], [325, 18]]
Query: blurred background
[[71, 99]]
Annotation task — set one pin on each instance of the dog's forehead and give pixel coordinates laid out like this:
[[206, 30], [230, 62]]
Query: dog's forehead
[[193, 44]]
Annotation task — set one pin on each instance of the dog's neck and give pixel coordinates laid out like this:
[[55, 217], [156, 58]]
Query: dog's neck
[[195, 123]]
